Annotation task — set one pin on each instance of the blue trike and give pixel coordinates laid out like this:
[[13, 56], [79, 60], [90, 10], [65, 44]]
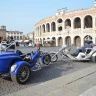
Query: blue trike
[[19, 65]]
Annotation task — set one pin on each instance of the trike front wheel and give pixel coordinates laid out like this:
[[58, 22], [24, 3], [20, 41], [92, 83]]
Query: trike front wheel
[[47, 59]]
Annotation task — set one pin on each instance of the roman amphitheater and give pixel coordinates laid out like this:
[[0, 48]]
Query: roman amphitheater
[[72, 27]]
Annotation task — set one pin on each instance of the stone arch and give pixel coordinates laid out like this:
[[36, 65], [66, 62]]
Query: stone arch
[[47, 27], [54, 41], [77, 22], [59, 20], [88, 21], [67, 23], [87, 38], [53, 26], [68, 40], [40, 30], [60, 41], [14, 37], [43, 28], [77, 41], [60, 28], [48, 38], [41, 40]]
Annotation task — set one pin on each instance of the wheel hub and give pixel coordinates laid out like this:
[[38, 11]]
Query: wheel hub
[[23, 74]]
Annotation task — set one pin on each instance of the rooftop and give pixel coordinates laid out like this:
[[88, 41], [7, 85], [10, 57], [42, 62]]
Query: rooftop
[[14, 31]]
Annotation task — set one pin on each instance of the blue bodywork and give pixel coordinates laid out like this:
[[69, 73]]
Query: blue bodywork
[[7, 59], [19, 64]]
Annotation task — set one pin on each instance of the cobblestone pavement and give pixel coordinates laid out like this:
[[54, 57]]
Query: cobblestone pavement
[[53, 71]]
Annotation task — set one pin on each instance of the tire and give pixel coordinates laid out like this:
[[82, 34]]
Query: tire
[[93, 59], [22, 76], [46, 59], [54, 57]]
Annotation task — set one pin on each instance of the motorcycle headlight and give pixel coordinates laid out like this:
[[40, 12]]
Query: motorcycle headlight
[[13, 68]]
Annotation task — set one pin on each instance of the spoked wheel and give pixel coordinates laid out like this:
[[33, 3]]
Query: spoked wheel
[[47, 59], [54, 57], [22, 76]]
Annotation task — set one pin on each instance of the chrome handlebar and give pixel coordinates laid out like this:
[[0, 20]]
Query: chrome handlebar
[[7, 46]]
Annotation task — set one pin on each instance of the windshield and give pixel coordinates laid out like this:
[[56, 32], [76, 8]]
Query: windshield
[[4, 46]]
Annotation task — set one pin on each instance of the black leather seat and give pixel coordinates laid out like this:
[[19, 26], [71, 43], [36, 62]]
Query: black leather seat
[[22, 55]]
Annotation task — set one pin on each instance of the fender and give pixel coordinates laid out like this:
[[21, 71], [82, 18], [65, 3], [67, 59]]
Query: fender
[[94, 54], [54, 52], [19, 64]]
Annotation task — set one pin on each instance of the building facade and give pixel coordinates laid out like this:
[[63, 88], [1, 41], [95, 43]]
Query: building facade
[[30, 36], [74, 27], [3, 32], [17, 35]]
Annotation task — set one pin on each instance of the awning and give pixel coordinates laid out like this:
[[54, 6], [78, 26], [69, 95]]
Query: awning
[[48, 40], [26, 40], [18, 40]]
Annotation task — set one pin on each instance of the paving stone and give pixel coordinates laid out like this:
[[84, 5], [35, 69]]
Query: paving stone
[[70, 89], [82, 85], [89, 92], [63, 92]]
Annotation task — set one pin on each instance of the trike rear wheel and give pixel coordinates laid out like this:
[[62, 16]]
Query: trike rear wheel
[[22, 76]]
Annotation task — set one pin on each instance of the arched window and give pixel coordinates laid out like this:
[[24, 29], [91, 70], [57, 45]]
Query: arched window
[[60, 20], [88, 21], [48, 27], [53, 26], [60, 28], [67, 23], [77, 22], [43, 28]]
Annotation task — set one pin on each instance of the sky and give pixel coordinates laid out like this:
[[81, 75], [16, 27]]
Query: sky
[[22, 15]]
